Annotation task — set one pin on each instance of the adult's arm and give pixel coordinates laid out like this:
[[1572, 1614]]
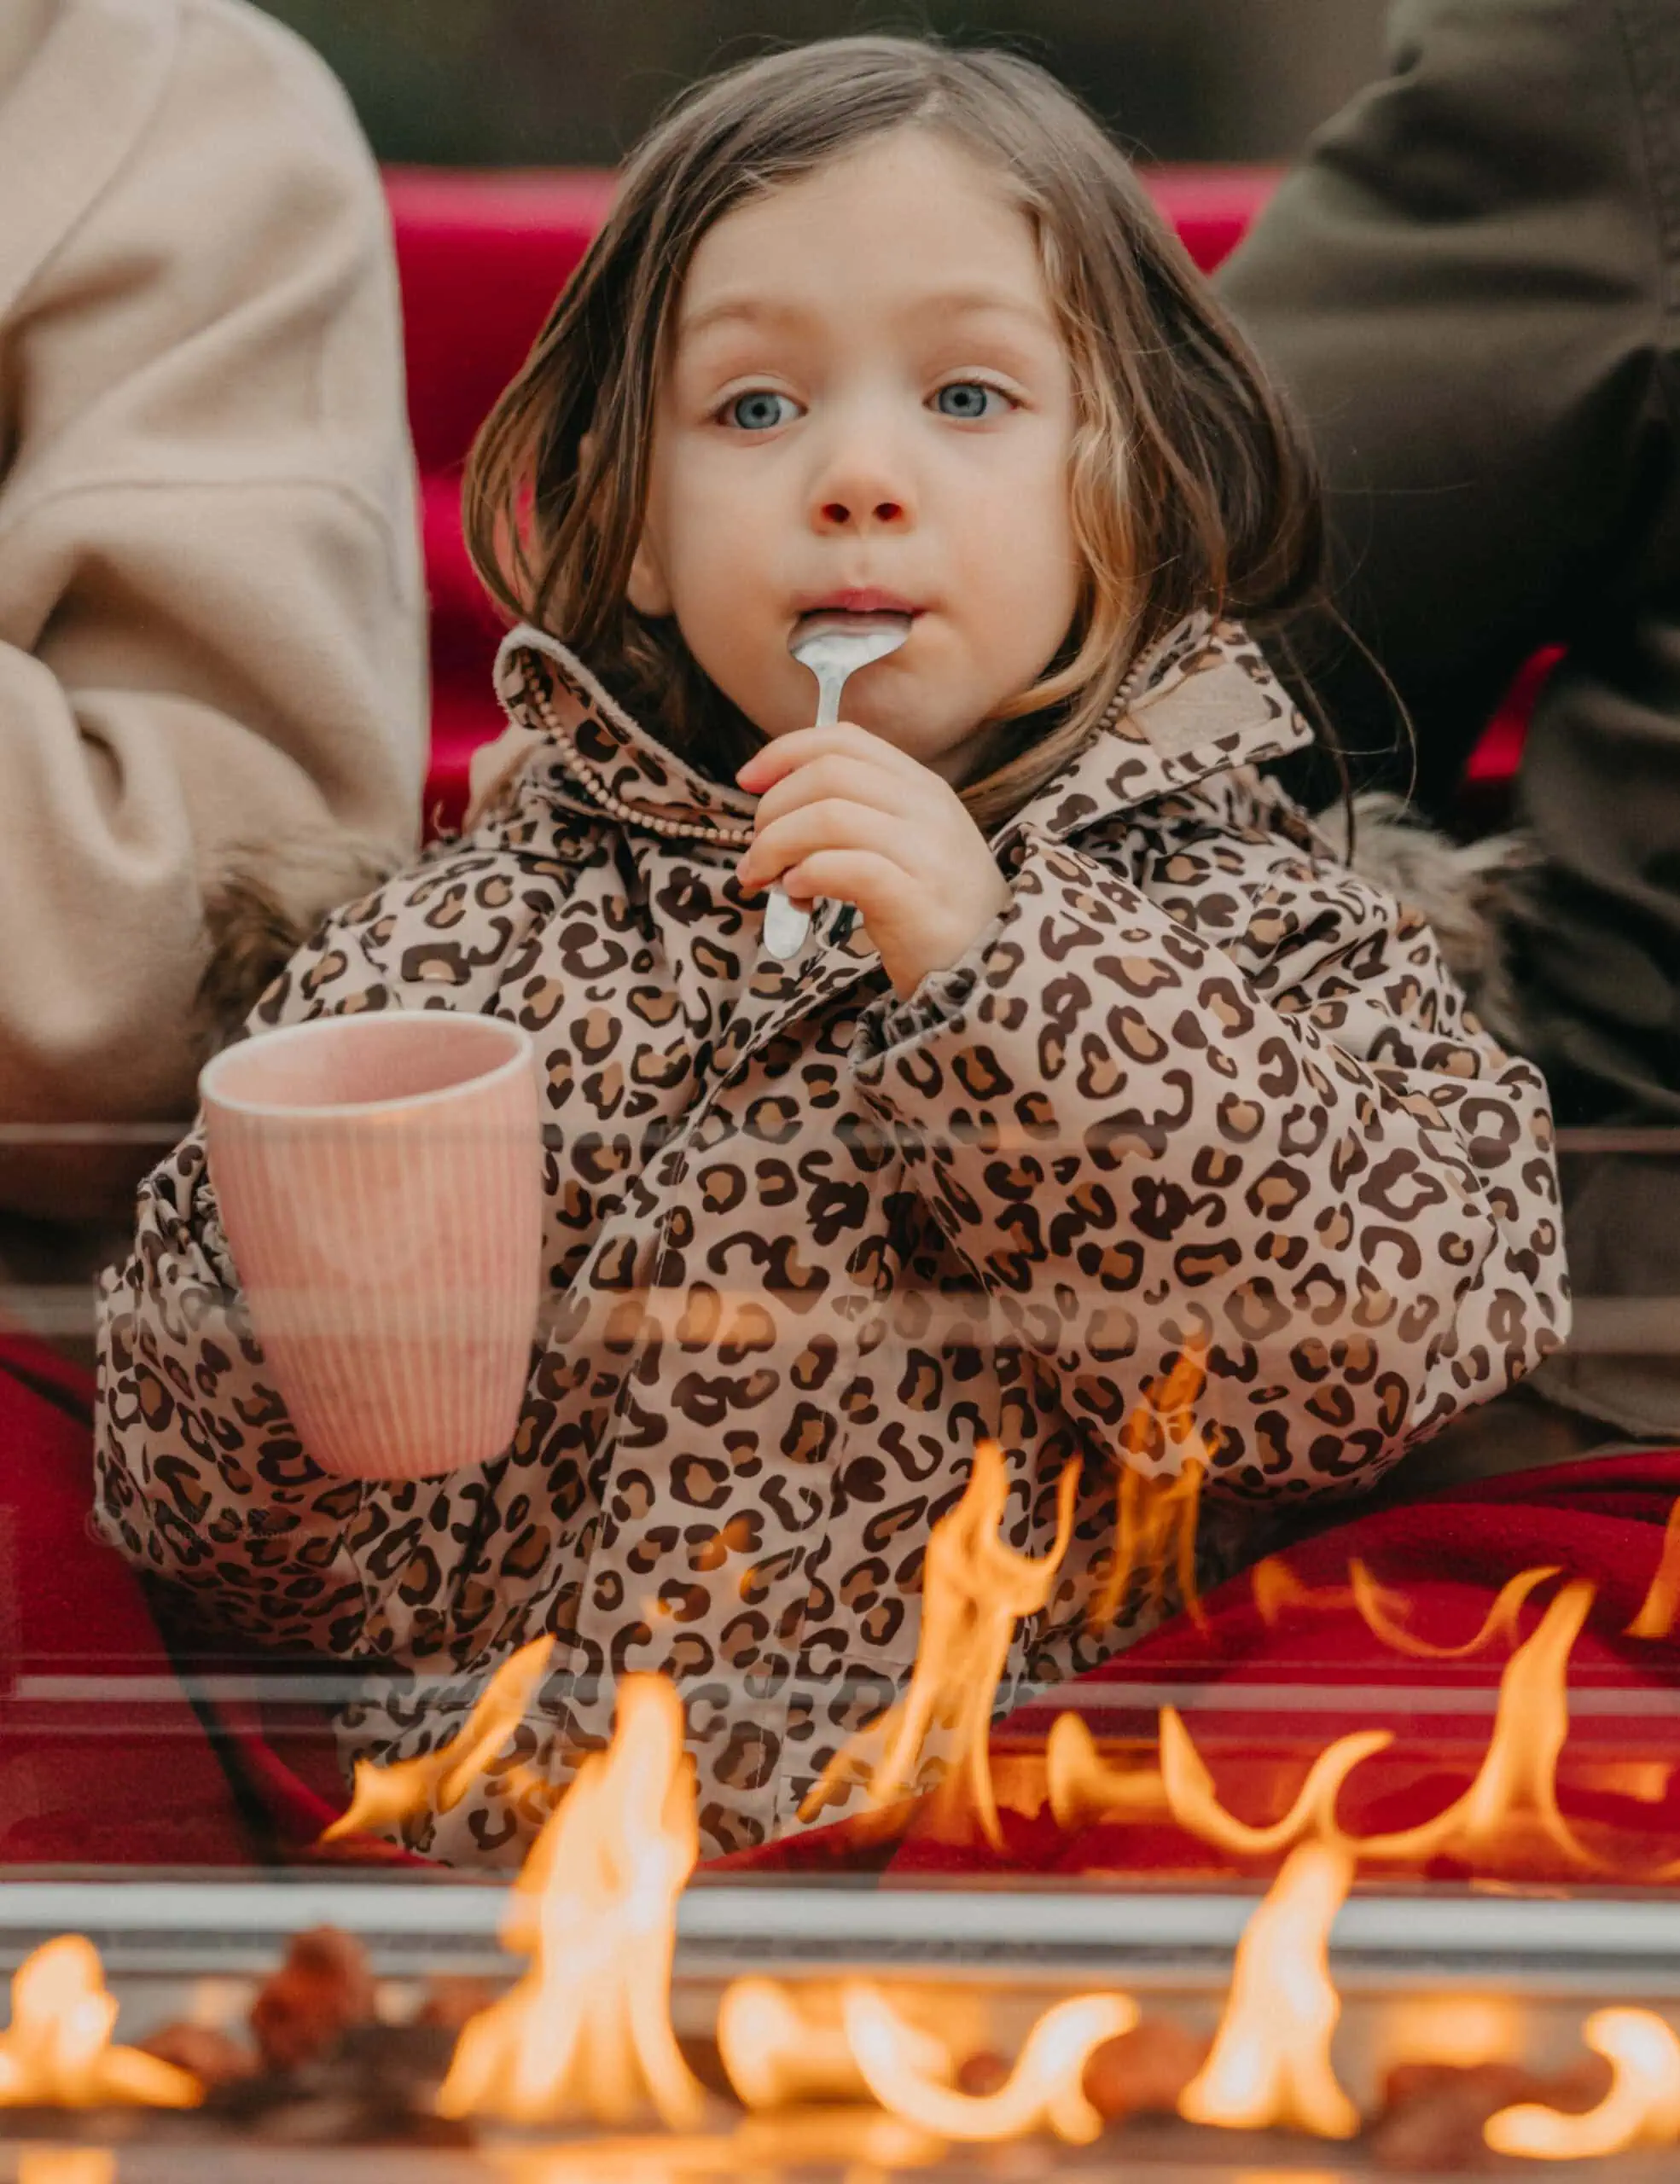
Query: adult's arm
[[211, 630], [1463, 284]]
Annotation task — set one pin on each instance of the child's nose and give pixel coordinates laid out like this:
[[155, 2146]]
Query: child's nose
[[839, 514], [862, 488]]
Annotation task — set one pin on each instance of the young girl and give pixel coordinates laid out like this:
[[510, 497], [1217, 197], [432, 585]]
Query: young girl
[[1097, 1055]]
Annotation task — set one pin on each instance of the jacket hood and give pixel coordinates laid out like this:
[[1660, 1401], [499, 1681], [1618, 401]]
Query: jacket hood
[[1202, 700]]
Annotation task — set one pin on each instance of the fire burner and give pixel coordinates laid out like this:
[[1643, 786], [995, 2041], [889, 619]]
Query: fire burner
[[1348, 2022], [841, 2032]]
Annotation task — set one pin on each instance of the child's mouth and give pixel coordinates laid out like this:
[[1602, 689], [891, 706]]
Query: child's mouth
[[861, 601], [879, 631]]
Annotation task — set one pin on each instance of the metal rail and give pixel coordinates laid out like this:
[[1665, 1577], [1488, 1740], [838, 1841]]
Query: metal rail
[[1606, 1941]]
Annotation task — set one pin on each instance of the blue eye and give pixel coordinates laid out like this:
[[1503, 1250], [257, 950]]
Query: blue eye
[[760, 411], [971, 400]]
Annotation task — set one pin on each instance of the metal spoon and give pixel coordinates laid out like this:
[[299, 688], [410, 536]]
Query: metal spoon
[[833, 647]]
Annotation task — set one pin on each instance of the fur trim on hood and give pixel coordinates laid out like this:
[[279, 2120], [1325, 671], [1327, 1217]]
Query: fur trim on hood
[[1463, 889], [267, 902]]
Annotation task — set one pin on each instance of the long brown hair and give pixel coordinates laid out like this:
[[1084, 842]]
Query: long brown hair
[[1191, 486]]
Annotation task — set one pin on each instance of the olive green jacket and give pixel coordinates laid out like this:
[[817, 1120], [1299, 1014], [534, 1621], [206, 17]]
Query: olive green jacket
[[1470, 285]]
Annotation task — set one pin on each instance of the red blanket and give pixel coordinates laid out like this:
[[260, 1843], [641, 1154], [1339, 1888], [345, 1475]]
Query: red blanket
[[1275, 1674], [102, 1758], [113, 1750], [105, 1759]]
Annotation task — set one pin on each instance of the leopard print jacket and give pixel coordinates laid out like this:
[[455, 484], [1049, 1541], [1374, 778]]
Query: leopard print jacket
[[1201, 1083]]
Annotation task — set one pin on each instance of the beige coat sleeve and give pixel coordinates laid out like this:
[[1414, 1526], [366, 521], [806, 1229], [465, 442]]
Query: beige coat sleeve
[[212, 627]]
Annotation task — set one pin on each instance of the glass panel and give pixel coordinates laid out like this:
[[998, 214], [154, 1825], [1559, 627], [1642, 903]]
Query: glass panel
[[1470, 1671], [1459, 1692]]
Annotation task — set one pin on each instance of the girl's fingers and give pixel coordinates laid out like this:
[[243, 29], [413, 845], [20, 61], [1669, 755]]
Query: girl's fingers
[[831, 823], [838, 776], [786, 753], [876, 885]]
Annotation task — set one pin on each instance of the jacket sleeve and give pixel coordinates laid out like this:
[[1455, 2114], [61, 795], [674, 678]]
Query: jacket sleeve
[[1464, 285], [1204, 1087], [211, 622]]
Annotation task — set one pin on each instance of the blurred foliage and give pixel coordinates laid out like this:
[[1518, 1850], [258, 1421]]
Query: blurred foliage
[[500, 82]]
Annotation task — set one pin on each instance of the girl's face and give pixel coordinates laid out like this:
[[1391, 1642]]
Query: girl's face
[[867, 406]]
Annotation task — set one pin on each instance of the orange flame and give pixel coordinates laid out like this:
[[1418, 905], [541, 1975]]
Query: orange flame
[[1155, 1518], [1641, 1782], [1045, 2087], [587, 2031], [1277, 1590], [1270, 2060], [1464, 2029], [70, 2165], [781, 2044], [1510, 1811], [618, 2161], [1082, 1785], [1661, 1604], [57, 2052], [1378, 1607], [1642, 2107], [974, 1591], [385, 1796], [1190, 1796], [862, 2141], [1508, 1817], [776, 2051]]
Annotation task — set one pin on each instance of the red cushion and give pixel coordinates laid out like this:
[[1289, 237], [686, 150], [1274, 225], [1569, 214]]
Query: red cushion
[[464, 715], [482, 258], [1485, 796], [1212, 208]]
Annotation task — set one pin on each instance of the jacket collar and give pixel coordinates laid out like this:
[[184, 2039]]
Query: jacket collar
[[570, 741], [1200, 702]]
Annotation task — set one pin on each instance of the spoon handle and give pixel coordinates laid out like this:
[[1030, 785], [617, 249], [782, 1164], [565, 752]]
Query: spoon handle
[[787, 927], [830, 685]]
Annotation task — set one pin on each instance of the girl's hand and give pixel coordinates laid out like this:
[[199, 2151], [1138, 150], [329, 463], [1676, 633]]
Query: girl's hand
[[844, 815]]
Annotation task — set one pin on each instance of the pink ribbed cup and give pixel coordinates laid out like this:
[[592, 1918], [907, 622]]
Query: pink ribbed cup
[[380, 1181]]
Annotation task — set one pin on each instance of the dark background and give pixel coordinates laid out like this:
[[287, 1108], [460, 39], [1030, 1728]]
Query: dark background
[[533, 83]]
